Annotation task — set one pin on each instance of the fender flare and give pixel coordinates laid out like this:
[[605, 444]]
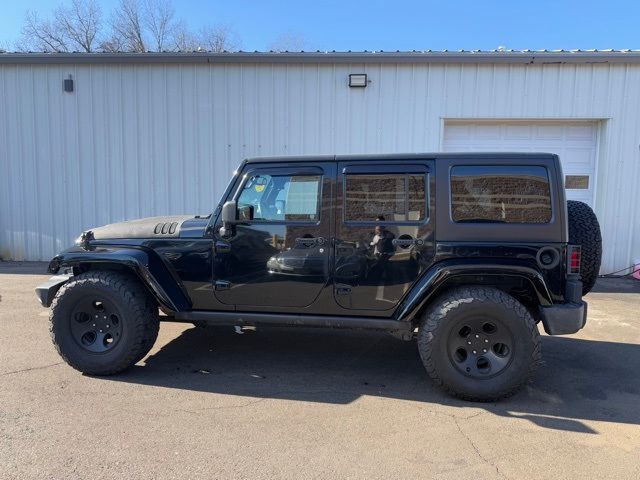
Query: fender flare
[[434, 278], [146, 265]]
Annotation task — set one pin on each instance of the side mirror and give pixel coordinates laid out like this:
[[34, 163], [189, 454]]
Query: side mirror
[[245, 213], [229, 212], [229, 219]]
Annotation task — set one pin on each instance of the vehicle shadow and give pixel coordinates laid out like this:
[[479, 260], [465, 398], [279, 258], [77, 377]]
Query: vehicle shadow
[[578, 380], [626, 284]]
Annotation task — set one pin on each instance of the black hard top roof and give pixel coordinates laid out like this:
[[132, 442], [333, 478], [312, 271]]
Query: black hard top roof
[[404, 156]]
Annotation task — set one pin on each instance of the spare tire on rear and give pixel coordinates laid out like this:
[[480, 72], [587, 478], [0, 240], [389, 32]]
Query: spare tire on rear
[[584, 230]]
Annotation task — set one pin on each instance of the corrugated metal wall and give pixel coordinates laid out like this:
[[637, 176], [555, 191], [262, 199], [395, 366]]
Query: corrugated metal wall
[[140, 140]]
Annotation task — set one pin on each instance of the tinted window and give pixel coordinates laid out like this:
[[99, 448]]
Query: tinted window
[[282, 197], [500, 194], [394, 197]]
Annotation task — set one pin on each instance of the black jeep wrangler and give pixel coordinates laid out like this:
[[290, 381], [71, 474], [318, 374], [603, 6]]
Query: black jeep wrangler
[[466, 252]]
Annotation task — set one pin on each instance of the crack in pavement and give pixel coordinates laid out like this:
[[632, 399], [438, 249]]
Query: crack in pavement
[[461, 417], [30, 369], [475, 448], [222, 407]]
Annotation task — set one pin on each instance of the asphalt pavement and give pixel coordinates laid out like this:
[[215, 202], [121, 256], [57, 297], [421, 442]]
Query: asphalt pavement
[[304, 403]]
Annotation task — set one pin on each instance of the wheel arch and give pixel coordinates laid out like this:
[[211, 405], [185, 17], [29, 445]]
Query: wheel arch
[[146, 266], [522, 282]]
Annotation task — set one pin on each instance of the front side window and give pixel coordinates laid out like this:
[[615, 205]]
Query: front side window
[[281, 197], [390, 197], [500, 194]]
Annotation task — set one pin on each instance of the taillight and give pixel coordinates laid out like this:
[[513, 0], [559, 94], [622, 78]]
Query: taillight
[[573, 259]]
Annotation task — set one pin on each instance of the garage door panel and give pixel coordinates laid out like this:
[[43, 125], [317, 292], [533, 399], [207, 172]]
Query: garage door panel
[[574, 142], [517, 132], [486, 132], [580, 195], [581, 132], [548, 132], [577, 158], [461, 131]]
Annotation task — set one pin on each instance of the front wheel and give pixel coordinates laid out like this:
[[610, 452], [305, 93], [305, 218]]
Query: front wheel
[[103, 322], [479, 344]]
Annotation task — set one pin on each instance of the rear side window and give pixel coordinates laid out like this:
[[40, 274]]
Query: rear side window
[[500, 194], [389, 197]]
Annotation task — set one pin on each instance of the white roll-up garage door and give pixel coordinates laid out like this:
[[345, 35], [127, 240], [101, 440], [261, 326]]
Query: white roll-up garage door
[[574, 142]]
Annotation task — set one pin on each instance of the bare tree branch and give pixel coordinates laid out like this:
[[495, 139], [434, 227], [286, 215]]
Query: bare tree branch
[[72, 28], [211, 38], [158, 18], [184, 40], [218, 38], [42, 35], [80, 23], [127, 25], [134, 26], [112, 44]]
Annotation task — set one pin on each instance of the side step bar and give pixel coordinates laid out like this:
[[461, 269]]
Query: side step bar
[[251, 318]]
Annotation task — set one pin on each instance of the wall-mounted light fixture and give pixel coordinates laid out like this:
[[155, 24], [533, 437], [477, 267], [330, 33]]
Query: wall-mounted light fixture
[[67, 84], [358, 80]]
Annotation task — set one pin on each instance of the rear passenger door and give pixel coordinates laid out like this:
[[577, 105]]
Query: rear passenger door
[[384, 238]]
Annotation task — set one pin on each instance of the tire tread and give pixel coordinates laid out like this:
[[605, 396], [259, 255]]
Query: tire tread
[[144, 317], [584, 230], [437, 314]]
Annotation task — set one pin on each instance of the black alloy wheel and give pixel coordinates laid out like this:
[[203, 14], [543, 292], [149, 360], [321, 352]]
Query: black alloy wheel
[[480, 347], [95, 324]]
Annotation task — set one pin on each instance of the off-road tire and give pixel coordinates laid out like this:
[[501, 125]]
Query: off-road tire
[[138, 321], [584, 230], [457, 307]]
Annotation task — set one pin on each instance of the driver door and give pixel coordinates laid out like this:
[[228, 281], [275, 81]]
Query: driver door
[[278, 253]]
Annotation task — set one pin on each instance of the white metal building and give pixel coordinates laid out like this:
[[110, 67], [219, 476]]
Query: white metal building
[[151, 134]]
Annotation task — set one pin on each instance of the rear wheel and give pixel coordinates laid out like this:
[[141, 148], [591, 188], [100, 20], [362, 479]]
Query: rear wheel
[[584, 230], [102, 323], [479, 343]]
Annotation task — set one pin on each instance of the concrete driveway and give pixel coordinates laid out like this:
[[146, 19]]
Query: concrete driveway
[[313, 404]]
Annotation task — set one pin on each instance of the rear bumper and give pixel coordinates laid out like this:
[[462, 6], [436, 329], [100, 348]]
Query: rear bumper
[[564, 318], [47, 290]]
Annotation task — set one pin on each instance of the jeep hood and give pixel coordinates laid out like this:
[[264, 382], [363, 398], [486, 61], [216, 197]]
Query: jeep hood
[[153, 227]]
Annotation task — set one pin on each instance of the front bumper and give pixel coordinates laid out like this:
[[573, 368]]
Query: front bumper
[[47, 290], [564, 318]]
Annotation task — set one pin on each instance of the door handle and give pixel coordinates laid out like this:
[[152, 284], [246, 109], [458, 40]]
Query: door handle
[[310, 241], [222, 285], [343, 289], [407, 242]]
